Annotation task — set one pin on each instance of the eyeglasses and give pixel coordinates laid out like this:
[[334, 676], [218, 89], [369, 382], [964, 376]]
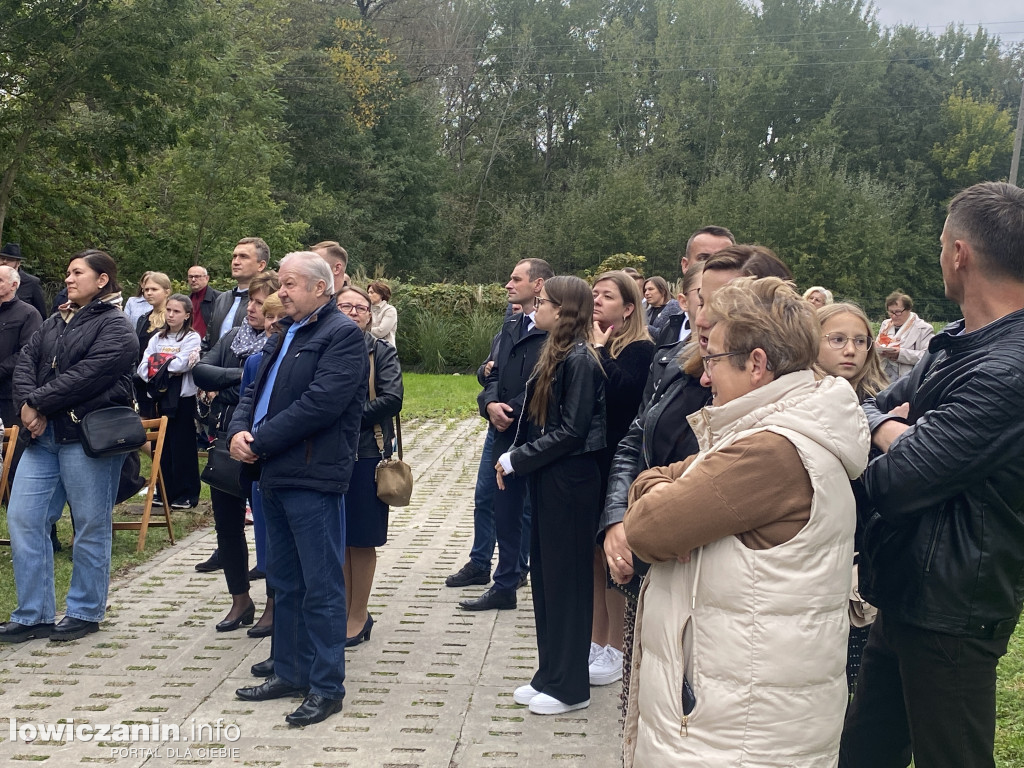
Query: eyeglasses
[[710, 360], [196, 277], [541, 301], [359, 309], [896, 312], [840, 340]]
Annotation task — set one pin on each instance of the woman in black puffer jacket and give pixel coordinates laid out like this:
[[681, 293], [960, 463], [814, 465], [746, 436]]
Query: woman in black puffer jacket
[[79, 361]]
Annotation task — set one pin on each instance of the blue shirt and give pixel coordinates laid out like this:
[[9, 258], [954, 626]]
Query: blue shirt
[[263, 404]]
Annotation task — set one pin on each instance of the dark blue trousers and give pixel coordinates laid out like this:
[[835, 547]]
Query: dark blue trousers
[[305, 554]]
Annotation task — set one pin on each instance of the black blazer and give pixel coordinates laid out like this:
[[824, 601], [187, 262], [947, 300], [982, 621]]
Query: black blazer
[[513, 365]]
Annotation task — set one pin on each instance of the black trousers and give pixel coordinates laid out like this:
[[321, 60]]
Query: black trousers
[[565, 497], [229, 522], [179, 462], [925, 694]]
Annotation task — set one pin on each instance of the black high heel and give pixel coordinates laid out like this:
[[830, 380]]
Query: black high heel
[[363, 635], [247, 618]]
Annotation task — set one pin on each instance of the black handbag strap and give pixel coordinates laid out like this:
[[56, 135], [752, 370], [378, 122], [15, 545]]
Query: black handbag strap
[[378, 433]]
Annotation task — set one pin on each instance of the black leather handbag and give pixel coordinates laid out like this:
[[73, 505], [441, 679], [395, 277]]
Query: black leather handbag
[[222, 472], [110, 431]]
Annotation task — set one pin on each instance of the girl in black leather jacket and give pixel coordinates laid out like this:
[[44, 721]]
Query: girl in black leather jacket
[[556, 447]]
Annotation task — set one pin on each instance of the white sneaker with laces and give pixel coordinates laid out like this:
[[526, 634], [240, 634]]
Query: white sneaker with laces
[[607, 667], [524, 694], [595, 649], [542, 704]]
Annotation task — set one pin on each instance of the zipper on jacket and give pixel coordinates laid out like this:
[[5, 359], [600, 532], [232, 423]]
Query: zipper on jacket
[[683, 729], [934, 543]]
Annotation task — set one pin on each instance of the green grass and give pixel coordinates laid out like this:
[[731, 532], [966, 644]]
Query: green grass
[[123, 554], [439, 397]]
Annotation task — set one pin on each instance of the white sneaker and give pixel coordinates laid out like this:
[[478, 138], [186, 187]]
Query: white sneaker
[[542, 704], [524, 694], [607, 667], [595, 649]]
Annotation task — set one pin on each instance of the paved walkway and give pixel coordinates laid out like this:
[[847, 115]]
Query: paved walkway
[[432, 688]]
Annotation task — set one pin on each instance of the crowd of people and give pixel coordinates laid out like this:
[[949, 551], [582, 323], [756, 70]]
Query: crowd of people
[[793, 540]]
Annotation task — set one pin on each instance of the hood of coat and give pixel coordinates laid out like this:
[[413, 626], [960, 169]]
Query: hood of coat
[[826, 411]]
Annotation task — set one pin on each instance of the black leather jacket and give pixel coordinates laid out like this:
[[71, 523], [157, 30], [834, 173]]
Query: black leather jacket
[[83, 365], [651, 440], [575, 416], [943, 545], [387, 384]]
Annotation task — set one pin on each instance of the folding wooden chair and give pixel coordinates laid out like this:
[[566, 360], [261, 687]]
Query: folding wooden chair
[[156, 429], [10, 444]]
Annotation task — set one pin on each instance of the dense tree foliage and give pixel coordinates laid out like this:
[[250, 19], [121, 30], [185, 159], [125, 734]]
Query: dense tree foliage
[[444, 139]]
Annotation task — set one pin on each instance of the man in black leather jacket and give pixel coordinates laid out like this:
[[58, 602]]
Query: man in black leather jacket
[[501, 403], [942, 555]]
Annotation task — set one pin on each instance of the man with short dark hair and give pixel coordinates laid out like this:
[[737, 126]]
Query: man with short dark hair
[[942, 507], [337, 258], [501, 403], [249, 258], [300, 420], [30, 289], [675, 322], [203, 298]]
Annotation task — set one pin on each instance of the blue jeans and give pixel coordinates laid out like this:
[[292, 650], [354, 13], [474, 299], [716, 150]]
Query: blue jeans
[[49, 475], [483, 512], [305, 555]]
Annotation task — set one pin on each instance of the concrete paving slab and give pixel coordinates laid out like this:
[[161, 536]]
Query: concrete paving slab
[[431, 689]]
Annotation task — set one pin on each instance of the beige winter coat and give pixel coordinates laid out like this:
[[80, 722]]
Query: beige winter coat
[[760, 634], [912, 341]]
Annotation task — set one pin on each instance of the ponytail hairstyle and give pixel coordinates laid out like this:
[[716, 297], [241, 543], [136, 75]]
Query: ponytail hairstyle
[[574, 300], [186, 302]]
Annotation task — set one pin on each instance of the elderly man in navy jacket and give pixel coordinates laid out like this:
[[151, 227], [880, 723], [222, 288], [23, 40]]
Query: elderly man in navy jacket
[[300, 423]]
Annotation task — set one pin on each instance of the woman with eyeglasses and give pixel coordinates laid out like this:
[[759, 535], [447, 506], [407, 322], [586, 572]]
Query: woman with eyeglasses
[[742, 620], [366, 516], [557, 448], [846, 351], [903, 336]]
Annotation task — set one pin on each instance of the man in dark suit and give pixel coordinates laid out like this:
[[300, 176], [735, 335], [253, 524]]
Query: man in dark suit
[[502, 402], [300, 420], [30, 291], [249, 258]]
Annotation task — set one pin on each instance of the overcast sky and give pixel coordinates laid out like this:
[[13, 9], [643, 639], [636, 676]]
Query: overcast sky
[[1004, 18]]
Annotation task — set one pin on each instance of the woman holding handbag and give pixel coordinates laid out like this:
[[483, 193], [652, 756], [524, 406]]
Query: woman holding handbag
[[79, 361], [366, 516], [166, 367], [557, 448], [220, 372]]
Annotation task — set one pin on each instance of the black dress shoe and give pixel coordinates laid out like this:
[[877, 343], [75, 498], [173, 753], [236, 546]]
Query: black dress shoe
[[211, 564], [314, 709], [263, 668], [468, 575], [522, 579], [244, 619], [69, 628], [13, 632], [364, 633], [273, 688], [257, 631], [256, 574], [502, 599]]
